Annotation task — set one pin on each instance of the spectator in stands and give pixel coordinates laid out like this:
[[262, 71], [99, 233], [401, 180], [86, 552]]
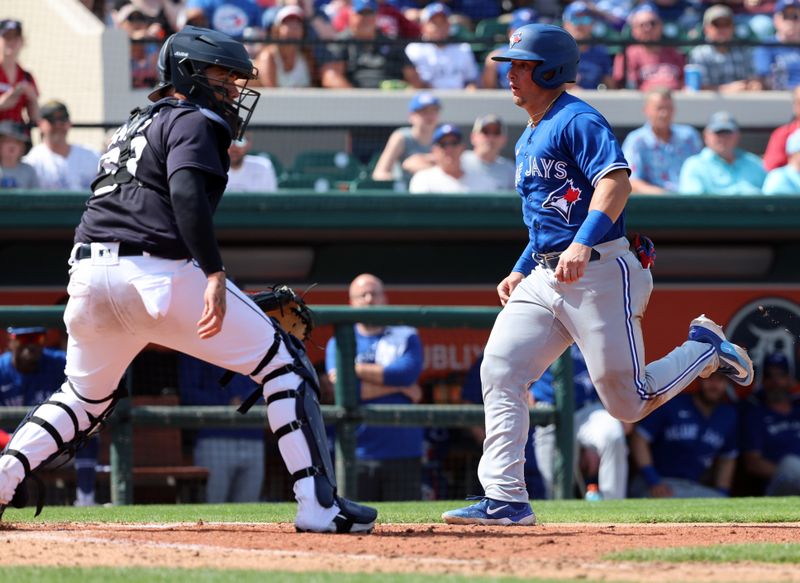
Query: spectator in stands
[[28, 372], [286, 63], [388, 364], [390, 19], [356, 64], [18, 90], [723, 68], [14, 173], [771, 432], [688, 447], [60, 165], [448, 176], [779, 66], [596, 432], [595, 66], [722, 167], [775, 155], [408, 149], [644, 67], [476, 10], [234, 457], [442, 64], [144, 55], [786, 179], [488, 140], [232, 17], [657, 150], [249, 173], [678, 13], [495, 73]]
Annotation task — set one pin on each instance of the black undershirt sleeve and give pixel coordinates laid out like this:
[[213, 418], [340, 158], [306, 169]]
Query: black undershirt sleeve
[[187, 190]]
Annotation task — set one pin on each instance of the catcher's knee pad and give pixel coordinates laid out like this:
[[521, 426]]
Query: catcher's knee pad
[[309, 421], [300, 365]]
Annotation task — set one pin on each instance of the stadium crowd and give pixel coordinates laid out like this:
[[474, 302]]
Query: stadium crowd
[[391, 44]]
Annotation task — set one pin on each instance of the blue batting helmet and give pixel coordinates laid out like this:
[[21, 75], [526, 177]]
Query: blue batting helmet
[[551, 45]]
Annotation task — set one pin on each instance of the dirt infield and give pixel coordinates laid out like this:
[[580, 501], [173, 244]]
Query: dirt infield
[[547, 551]]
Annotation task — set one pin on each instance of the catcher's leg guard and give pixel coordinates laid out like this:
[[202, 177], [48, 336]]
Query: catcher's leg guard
[[296, 419], [58, 426]]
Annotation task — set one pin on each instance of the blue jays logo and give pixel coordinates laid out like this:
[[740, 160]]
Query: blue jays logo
[[563, 199], [514, 39]]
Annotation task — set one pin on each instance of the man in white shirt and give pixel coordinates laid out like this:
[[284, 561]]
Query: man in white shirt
[[441, 65], [488, 139], [249, 173], [60, 165], [448, 176]]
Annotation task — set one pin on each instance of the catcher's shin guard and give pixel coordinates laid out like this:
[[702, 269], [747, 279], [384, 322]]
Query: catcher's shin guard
[[58, 427], [309, 421], [351, 517]]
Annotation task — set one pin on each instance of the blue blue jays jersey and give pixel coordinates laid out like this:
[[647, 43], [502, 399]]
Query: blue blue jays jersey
[[17, 389], [684, 442], [559, 163], [770, 433]]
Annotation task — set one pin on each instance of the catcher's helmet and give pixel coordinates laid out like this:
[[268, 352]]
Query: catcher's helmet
[[552, 46], [182, 63]]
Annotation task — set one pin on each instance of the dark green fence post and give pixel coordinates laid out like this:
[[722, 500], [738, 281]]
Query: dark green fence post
[[121, 454], [346, 397], [564, 461]]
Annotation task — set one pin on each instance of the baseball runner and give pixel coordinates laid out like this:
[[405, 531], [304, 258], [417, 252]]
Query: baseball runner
[[146, 267], [576, 281]]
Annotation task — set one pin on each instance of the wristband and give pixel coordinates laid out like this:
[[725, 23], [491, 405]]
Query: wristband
[[650, 475], [596, 225]]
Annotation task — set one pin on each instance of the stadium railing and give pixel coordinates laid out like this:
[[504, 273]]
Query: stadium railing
[[346, 413]]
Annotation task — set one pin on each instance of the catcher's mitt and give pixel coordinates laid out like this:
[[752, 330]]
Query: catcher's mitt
[[289, 309]]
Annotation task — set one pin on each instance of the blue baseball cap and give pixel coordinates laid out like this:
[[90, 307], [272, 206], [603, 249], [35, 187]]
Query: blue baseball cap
[[782, 5], [722, 121], [15, 331], [363, 5], [523, 16], [778, 360], [576, 9], [445, 130], [644, 8], [432, 10], [422, 100]]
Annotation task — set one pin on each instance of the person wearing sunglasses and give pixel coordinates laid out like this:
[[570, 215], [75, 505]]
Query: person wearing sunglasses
[[595, 66], [722, 167], [448, 176], [723, 68], [644, 67], [488, 140], [779, 66]]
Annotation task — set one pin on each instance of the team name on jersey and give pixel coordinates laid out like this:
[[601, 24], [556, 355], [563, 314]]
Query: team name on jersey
[[546, 168]]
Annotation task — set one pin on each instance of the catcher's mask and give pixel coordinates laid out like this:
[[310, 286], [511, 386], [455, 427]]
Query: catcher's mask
[[182, 64]]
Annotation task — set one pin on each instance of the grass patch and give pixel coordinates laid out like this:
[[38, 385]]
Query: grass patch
[[758, 552], [137, 575], [715, 510]]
